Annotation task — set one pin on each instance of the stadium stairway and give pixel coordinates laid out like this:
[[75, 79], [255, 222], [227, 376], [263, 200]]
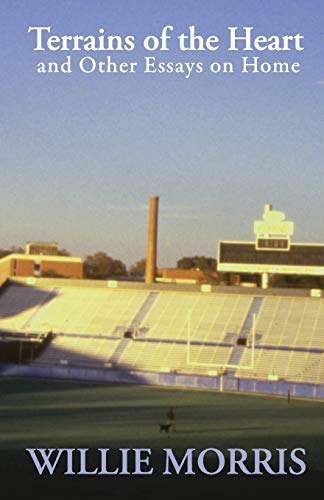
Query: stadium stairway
[[248, 323], [238, 350], [137, 320], [144, 309], [122, 345]]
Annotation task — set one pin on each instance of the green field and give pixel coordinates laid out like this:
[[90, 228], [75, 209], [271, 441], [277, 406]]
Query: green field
[[37, 413]]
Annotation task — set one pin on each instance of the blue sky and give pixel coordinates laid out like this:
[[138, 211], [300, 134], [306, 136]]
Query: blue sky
[[81, 154]]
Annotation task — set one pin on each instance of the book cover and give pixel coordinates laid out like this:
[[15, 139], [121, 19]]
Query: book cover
[[212, 110]]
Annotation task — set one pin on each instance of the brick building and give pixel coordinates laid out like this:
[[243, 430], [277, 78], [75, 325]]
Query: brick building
[[24, 265], [178, 275]]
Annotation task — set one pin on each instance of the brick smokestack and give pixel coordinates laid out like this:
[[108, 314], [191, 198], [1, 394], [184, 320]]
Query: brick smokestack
[[150, 269]]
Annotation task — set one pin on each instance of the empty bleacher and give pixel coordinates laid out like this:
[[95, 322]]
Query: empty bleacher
[[175, 318], [172, 357], [20, 304], [289, 365], [95, 312], [289, 341], [171, 331], [204, 318], [75, 350], [68, 310], [291, 321], [89, 311]]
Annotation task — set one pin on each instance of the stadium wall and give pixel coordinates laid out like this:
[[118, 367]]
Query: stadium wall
[[174, 287], [165, 379]]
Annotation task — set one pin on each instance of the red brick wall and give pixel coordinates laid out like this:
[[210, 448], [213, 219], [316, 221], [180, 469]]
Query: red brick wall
[[23, 268], [64, 269], [180, 273]]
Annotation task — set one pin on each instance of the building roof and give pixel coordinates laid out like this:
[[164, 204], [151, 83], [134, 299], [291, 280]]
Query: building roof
[[48, 258]]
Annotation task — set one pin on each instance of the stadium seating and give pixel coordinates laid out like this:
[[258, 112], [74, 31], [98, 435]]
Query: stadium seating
[[172, 357], [172, 331], [289, 340], [204, 318], [74, 350], [74, 310], [291, 321], [19, 304], [289, 365]]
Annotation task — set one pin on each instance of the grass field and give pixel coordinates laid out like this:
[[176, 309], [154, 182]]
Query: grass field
[[37, 413]]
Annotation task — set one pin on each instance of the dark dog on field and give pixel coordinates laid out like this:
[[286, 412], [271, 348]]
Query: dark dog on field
[[165, 428]]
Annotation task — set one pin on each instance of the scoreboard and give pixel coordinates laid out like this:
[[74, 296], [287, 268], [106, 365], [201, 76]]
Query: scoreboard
[[272, 251], [271, 255], [273, 244]]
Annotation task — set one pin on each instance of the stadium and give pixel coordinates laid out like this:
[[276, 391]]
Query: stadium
[[236, 338], [242, 366]]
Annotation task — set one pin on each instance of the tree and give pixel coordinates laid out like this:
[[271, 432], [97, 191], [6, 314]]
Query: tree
[[63, 252], [102, 266], [296, 281], [138, 269], [13, 249], [197, 262], [4, 253]]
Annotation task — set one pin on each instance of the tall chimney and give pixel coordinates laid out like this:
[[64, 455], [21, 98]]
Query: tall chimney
[[150, 268]]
